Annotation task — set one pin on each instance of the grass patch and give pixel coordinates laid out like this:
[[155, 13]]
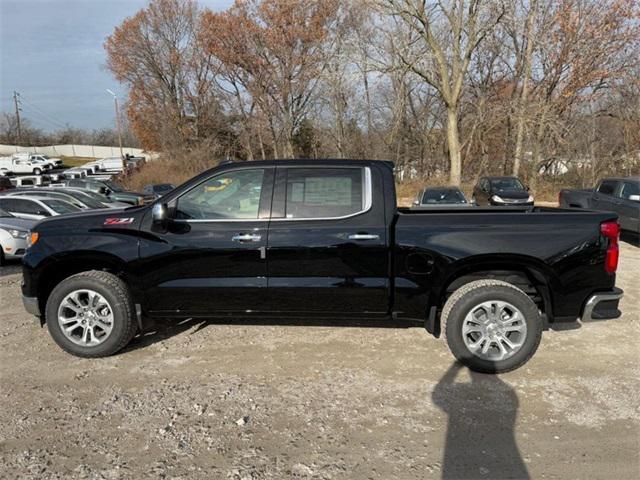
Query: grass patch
[[75, 161]]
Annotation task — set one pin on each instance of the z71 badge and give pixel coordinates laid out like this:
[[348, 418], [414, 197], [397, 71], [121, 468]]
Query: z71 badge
[[118, 221]]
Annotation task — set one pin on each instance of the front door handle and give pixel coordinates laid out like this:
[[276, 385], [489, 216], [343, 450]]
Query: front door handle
[[363, 236], [246, 237]]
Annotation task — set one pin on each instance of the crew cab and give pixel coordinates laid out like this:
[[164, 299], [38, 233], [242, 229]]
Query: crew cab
[[619, 195], [318, 239], [23, 165]]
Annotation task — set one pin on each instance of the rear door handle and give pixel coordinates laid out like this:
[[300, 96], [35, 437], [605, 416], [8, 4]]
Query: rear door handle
[[246, 237], [363, 236]]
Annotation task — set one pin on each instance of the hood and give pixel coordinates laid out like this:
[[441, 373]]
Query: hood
[[512, 193], [94, 220], [17, 223]]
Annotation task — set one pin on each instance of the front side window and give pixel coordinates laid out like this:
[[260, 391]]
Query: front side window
[[229, 196], [324, 193], [607, 187], [628, 189]]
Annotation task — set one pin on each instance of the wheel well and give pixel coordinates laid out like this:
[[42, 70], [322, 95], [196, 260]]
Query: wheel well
[[530, 282], [59, 271]]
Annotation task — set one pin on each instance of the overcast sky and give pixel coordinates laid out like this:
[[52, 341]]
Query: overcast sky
[[51, 53]]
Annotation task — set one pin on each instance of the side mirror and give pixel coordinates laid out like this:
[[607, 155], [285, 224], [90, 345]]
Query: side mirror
[[634, 198], [160, 217], [526, 187]]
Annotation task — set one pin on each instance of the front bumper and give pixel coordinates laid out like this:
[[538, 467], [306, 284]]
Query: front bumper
[[511, 204], [31, 305], [602, 306]]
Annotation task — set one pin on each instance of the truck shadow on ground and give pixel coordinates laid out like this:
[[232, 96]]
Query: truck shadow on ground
[[630, 238], [159, 329], [482, 412]]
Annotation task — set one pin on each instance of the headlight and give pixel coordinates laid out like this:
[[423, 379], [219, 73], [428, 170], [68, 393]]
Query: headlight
[[530, 199], [18, 233], [497, 199]]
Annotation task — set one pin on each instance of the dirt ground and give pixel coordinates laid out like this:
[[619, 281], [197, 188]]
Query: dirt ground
[[242, 401]]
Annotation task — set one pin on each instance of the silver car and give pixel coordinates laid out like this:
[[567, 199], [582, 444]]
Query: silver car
[[14, 233]]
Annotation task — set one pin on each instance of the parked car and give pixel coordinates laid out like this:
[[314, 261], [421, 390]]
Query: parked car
[[111, 190], [13, 236], [6, 184], [18, 165], [441, 197], [620, 195], [74, 173], [106, 201], [35, 208], [80, 200], [158, 189], [5, 172], [337, 246], [38, 158], [502, 191]]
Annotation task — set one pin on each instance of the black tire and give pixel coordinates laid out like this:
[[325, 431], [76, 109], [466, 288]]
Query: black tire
[[116, 292], [1, 256], [37, 171], [467, 297]]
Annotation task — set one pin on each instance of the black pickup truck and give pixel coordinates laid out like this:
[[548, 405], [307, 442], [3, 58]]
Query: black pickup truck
[[323, 239]]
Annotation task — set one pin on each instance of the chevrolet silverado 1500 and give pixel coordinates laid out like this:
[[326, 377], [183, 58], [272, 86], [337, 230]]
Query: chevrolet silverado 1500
[[322, 238]]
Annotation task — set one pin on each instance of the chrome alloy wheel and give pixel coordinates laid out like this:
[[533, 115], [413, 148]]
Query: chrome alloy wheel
[[85, 317], [494, 330]]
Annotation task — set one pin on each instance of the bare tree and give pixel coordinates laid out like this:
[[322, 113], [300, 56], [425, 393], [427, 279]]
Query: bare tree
[[447, 35]]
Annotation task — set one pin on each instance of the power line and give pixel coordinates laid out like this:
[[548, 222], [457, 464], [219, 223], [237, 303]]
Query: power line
[[44, 115], [43, 118]]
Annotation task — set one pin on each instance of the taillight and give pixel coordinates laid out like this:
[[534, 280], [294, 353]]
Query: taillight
[[611, 231]]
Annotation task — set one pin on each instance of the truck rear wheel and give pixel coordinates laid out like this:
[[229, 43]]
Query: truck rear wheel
[[491, 326], [91, 314]]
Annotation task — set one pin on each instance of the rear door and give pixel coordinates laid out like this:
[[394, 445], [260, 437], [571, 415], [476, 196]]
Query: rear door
[[327, 250], [212, 258]]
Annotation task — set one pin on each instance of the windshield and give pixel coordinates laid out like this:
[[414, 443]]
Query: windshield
[[443, 195], [113, 186], [60, 206], [163, 187], [87, 200], [506, 184], [96, 196]]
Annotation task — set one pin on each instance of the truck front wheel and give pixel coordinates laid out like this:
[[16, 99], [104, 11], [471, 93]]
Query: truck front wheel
[[91, 314], [491, 326]]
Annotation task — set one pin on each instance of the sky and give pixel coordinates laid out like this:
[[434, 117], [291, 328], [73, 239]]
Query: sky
[[51, 53]]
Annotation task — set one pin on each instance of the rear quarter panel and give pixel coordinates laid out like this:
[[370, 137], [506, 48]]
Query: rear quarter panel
[[562, 249]]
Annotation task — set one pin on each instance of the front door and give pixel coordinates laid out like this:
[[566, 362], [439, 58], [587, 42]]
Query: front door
[[628, 210], [327, 248], [212, 258]]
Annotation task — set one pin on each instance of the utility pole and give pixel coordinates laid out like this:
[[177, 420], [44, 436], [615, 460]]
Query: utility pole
[[115, 100], [15, 102]]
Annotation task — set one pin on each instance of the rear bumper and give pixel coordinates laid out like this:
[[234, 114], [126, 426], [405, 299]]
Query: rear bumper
[[31, 305], [602, 306]]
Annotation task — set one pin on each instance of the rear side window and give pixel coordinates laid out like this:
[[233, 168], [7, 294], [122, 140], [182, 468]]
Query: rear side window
[[607, 187], [76, 183], [628, 189], [324, 192], [19, 205]]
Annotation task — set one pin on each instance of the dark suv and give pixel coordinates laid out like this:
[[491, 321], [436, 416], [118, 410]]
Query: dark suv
[[501, 191]]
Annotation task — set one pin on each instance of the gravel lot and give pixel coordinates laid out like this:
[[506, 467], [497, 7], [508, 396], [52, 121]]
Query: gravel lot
[[242, 401]]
